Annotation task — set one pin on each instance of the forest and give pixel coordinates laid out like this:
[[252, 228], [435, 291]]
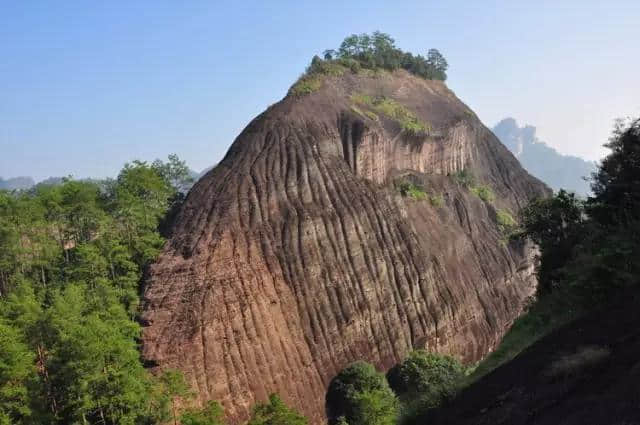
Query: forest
[[72, 258]]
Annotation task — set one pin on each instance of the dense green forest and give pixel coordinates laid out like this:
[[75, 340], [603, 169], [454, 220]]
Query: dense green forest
[[72, 256]]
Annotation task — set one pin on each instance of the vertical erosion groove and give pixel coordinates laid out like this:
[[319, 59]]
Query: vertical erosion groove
[[288, 262]]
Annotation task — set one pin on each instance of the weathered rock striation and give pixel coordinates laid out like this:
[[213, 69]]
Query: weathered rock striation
[[296, 255]]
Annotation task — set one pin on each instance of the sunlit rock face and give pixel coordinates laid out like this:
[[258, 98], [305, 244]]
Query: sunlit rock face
[[297, 255]]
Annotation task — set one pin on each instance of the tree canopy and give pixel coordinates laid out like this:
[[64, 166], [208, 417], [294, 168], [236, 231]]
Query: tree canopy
[[378, 50], [360, 395], [71, 262], [591, 247]]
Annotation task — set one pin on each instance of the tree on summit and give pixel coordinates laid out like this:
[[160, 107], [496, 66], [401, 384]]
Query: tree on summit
[[378, 50]]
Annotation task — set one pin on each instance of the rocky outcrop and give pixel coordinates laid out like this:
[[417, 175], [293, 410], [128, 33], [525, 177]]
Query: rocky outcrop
[[295, 255]]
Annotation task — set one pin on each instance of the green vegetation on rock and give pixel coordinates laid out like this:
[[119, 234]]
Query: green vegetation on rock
[[210, 414], [506, 223], [275, 412], [393, 110], [417, 192], [378, 51], [368, 55], [483, 192]]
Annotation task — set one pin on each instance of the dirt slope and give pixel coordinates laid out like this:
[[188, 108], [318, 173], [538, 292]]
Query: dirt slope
[[295, 255]]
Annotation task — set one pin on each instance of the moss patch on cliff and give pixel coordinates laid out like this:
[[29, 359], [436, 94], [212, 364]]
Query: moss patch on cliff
[[483, 192], [506, 223], [305, 85], [417, 192], [408, 121], [465, 178], [364, 114]]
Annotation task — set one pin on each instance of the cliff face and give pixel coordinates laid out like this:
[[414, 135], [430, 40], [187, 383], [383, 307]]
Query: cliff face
[[295, 255]]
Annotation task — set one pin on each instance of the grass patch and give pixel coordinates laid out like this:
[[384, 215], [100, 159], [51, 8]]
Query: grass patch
[[545, 315], [483, 192], [371, 115], [364, 114], [395, 111], [464, 178], [506, 223], [414, 191], [306, 84], [411, 190], [436, 200]]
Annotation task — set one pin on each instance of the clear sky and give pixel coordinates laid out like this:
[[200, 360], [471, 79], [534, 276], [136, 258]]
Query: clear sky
[[87, 86]]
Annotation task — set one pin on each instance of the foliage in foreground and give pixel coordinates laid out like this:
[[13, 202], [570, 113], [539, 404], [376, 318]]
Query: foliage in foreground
[[360, 395], [432, 377], [275, 412], [71, 262], [589, 249], [424, 381]]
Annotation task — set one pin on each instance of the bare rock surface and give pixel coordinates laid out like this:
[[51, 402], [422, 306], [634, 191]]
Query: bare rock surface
[[296, 256]]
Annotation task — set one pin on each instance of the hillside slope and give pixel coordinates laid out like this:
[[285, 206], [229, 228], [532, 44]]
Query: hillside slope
[[585, 373], [296, 254]]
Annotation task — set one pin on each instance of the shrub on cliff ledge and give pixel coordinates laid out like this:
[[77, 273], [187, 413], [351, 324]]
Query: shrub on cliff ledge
[[360, 395]]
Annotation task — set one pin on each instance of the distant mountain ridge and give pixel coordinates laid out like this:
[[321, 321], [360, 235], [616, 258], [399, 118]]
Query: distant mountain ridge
[[16, 183], [542, 161], [27, 182]]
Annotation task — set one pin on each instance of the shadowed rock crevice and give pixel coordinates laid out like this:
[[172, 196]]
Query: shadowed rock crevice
[[296, 255]]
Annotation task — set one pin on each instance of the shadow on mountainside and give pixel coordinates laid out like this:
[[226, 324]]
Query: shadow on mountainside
[[587, 372]]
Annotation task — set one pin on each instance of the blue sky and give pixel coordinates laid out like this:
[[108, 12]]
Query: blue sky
[[87, 86]]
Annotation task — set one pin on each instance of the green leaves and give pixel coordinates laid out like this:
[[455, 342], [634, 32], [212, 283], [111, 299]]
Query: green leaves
[[210, 414], [275, 412], [429, 377], [17, 371], [71, 260], [360, 395]]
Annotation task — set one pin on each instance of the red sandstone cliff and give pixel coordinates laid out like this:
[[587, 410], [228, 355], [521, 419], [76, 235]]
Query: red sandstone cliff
[[296, 256]]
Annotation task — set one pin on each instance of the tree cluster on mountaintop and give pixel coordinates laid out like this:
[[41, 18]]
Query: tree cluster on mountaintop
[[378, 51]]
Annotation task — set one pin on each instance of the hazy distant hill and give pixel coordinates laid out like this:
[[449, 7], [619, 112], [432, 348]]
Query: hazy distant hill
[[24, 182], [16, 183], [557, 170]]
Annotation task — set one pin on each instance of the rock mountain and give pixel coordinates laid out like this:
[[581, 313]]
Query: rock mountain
[[297, 254], [557, 170]]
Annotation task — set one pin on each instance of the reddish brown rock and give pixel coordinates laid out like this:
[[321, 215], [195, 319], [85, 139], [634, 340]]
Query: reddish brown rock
[[296, 256]]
